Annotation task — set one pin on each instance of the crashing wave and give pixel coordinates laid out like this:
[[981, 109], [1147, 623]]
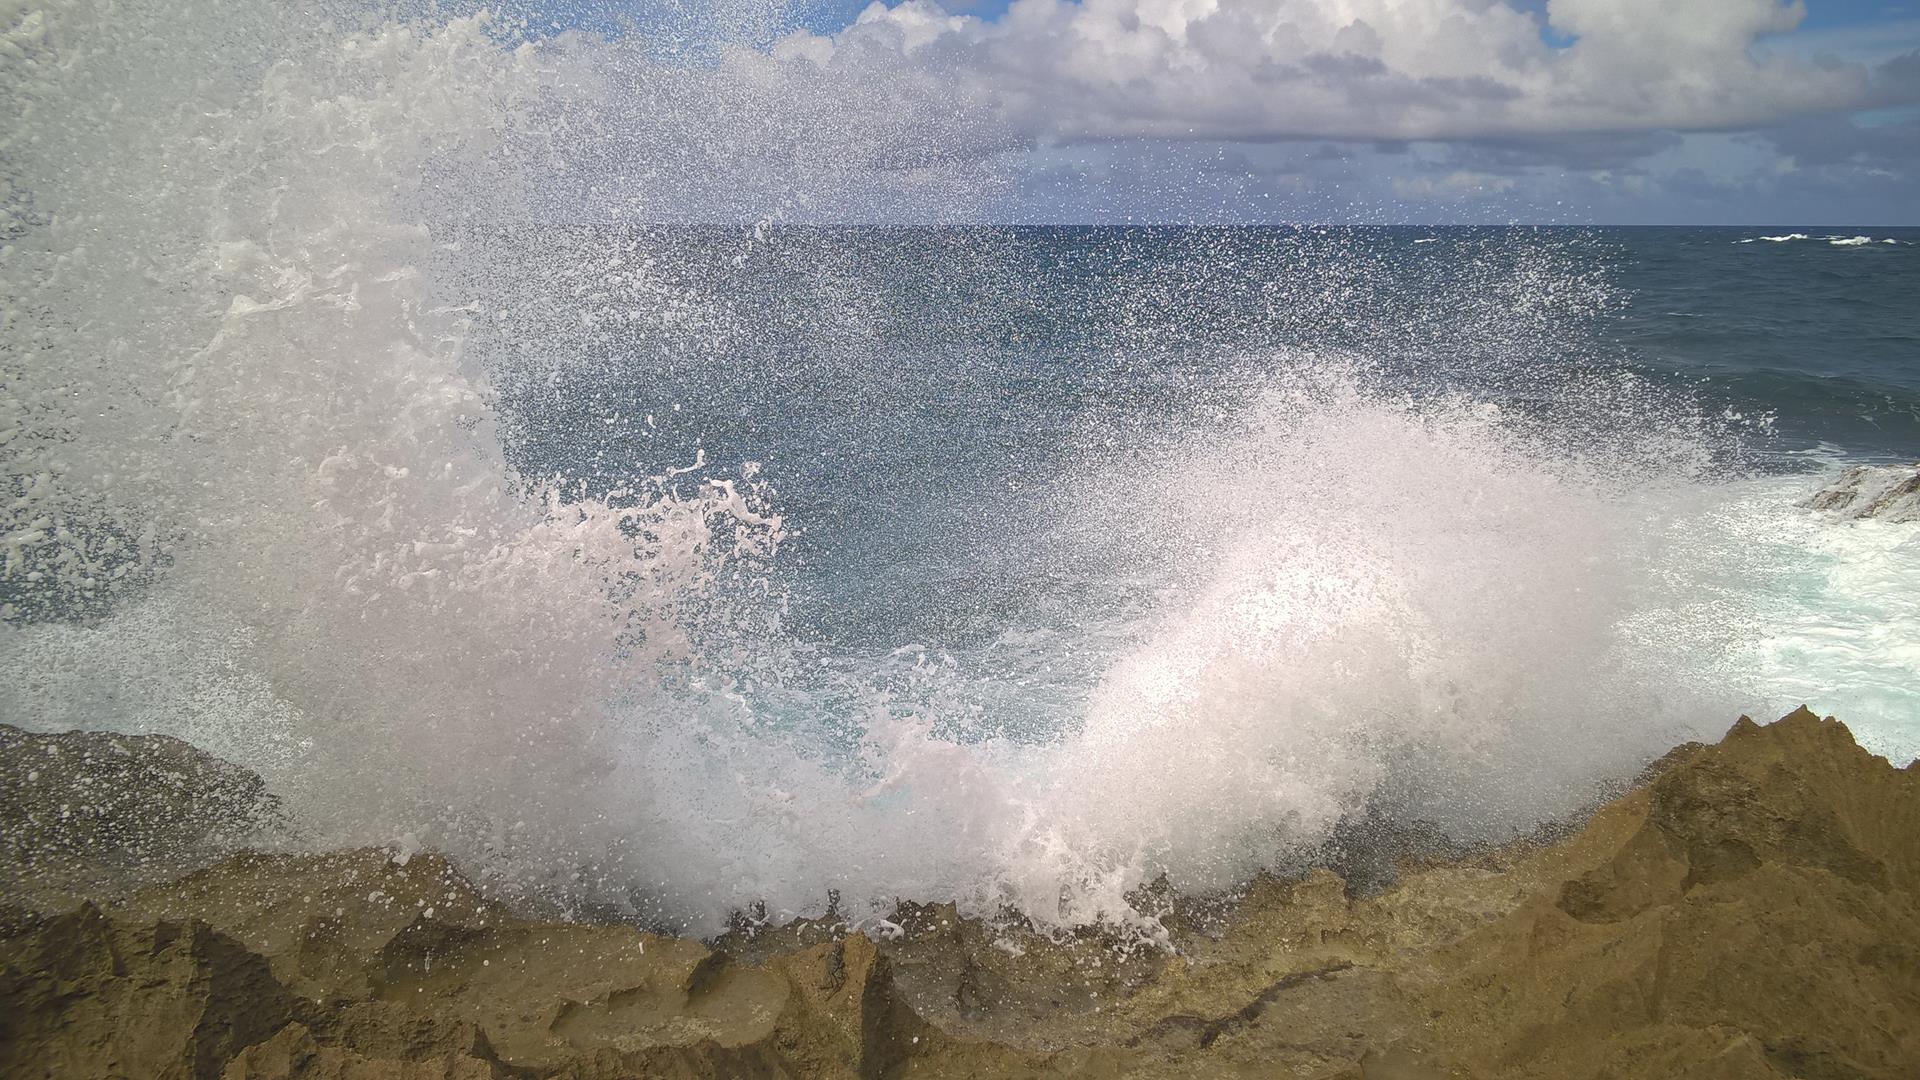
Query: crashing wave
[[259, 497]]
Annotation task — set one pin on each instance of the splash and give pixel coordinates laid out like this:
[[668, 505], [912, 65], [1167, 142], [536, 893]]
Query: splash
[[263, 496], [233, 383]]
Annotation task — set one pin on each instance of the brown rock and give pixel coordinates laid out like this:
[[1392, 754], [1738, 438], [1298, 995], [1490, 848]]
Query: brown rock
[[88, 812], [1751, 910], [86, 996], [1757, 899], [293, 1054]]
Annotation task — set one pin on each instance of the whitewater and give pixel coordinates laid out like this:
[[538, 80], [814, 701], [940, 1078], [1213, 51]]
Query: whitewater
[[296, 304]]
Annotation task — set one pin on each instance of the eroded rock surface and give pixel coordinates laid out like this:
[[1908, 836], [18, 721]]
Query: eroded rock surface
[[1751, 911]]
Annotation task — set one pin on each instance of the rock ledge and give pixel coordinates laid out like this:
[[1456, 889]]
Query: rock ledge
[[1751, 911]]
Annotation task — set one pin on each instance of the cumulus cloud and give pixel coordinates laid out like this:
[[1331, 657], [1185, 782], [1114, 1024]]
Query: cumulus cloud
[[1355, 69], [1452, 185], [1215, 110]]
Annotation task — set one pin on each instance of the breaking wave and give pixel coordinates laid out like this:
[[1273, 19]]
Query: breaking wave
[[261, 325]]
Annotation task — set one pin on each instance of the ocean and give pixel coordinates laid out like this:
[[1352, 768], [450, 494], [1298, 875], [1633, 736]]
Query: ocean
[[930, 404], [679, 571]]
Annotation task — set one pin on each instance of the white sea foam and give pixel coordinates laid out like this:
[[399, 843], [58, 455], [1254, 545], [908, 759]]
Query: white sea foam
[[1369, 595], [1834, 240], [1837, 603]]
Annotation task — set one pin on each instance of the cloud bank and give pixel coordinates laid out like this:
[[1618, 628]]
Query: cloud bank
[[1359, 69], [1114, 110]]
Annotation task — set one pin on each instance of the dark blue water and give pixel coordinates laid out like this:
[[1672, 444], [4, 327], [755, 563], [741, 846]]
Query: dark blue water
[[1825, 337]]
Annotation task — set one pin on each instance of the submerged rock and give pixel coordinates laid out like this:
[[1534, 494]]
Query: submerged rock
[[1751, 910], [1886, 492]]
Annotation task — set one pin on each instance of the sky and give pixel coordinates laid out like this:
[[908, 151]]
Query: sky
[[1428, 111]]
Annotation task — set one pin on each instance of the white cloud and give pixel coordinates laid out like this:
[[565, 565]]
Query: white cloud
[[1351, 69], [1872, 42], [1209, 110], [1452, 186]]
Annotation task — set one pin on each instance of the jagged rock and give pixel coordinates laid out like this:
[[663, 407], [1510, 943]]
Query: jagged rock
[[88, 811], [1751, 910], [416, 975], [294, 1054], [323, 920], [1886, 492], [87, 996]]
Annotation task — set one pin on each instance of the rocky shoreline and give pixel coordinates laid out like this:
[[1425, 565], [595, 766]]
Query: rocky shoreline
[[1750, 910]]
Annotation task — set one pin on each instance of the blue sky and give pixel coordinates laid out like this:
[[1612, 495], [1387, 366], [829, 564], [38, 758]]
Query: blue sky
[[1433, 111]]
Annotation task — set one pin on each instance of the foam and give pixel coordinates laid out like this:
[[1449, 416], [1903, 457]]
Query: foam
[[1835, 241], [1841, 615]]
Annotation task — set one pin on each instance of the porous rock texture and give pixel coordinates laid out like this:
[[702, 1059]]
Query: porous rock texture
[[1751, 910]]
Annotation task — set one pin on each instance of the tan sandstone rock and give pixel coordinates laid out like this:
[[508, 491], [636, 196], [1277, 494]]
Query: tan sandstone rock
[[1751, 910]]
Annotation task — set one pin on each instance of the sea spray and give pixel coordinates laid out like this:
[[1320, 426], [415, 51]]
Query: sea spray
[[265, 495], [241, 364], [1429, 610]]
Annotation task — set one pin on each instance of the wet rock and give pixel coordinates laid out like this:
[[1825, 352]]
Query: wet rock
[[1886, 492], [88, 996], [323, 919], [293, 1053], [87, 812], [1750, 910]]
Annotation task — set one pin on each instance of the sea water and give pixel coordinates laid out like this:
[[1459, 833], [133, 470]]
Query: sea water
[[391, 408]]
